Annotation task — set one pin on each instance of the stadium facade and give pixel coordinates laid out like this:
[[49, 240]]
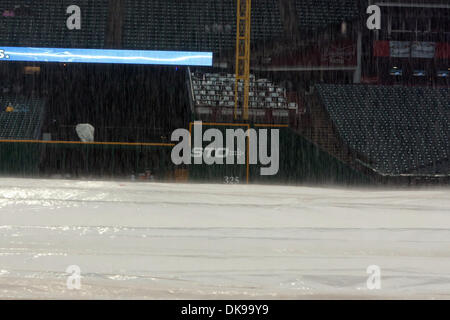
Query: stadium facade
[[353, 105]]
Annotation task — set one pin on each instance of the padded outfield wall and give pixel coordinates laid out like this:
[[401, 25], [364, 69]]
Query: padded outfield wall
[[19, 159], [300, 162], [25, 159]]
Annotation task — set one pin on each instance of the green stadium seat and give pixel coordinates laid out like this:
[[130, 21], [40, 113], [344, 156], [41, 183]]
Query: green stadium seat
[[26, 120]]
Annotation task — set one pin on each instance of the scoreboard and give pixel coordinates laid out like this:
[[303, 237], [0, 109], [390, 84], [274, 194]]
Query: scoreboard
[[69, 55]]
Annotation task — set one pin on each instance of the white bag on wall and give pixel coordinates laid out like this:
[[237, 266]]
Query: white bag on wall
[[85, 132]]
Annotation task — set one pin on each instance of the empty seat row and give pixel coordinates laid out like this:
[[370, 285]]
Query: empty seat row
[[195, 25]]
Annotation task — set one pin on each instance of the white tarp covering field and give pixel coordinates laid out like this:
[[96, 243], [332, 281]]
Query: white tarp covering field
[[180, 241]]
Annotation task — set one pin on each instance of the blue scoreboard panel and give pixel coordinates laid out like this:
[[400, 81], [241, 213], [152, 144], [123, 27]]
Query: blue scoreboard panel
[[67, 55]]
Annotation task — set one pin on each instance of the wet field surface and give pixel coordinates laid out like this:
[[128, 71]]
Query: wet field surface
[[180, 241]]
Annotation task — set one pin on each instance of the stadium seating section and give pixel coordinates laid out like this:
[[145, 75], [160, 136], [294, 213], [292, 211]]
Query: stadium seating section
[[191, 25], [400, 129], [314, 14], [43, 23], [24, 122], [217, 90], [196, 25]]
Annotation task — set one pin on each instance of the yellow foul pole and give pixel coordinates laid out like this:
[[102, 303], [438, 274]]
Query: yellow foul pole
[[244, 9]]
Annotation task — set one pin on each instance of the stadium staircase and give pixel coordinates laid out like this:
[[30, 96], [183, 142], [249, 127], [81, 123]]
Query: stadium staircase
[[317, 127]]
